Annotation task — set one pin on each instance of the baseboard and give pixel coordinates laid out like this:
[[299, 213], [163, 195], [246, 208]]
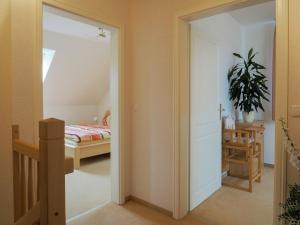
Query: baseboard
[[127, 198], [148, 204], [269, 165]]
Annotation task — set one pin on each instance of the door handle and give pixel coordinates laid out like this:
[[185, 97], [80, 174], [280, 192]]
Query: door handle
[[221, 109]]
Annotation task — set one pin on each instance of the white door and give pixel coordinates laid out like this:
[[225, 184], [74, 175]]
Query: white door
[[205, 122]]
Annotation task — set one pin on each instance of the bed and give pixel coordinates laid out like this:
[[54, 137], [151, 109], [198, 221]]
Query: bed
[[83, 141]]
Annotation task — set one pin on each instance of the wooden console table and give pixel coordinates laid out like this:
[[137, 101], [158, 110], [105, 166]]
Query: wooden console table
[[258, 125]]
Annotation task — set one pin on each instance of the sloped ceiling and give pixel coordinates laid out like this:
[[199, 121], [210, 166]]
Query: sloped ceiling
[[62, 22], [80, 71], [260, 13]]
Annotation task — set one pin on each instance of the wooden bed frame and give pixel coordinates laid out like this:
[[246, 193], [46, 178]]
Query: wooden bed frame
[[85, 151]]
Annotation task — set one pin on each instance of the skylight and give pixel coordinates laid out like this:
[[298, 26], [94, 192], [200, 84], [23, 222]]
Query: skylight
[[48, 55]]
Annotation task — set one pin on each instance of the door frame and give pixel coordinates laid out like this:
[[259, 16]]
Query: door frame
[[181, 104], [117, 72]]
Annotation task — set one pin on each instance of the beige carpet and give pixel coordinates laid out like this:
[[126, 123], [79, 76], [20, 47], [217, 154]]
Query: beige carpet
[[130, 214], [226, 207], [230, 206], [88, 187]]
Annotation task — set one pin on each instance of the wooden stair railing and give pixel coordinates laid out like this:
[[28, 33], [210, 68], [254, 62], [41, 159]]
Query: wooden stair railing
[[39, 176]]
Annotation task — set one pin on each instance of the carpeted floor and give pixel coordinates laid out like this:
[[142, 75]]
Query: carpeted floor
[[88, 187], [130, 214], [227, 206], [230, 206]]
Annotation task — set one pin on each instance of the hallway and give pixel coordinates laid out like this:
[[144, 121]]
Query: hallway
[[220, 209]]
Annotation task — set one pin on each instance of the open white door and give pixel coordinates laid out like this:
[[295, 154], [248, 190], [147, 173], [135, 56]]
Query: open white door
[[205, 122]]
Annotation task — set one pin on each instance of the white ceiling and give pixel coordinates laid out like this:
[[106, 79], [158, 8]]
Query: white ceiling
[[260, 13], [62, 22]]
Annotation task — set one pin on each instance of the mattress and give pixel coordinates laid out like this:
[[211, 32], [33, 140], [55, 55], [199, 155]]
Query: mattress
[[72, 143], [87, 133]]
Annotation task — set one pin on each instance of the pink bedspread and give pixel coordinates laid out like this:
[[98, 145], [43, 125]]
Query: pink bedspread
[[87, 133]]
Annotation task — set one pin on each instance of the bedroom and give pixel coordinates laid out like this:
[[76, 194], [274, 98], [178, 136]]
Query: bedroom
[[77, 89]]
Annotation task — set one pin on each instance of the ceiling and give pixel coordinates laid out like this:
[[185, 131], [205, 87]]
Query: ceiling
[[62, 22], [260, 13]]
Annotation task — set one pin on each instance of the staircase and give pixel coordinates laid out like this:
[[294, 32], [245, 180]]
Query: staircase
[[39, 176]]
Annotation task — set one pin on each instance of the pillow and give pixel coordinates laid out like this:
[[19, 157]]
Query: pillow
[[106, 119]]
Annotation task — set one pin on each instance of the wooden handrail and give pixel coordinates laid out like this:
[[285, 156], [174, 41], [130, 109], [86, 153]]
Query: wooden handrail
[[39, 192], [31, 217], [26, 149], [33, 153], [52, 181]]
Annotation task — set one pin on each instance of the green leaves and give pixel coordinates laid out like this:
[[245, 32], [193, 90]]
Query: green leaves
[[291, 207], [258, 66], [250, 53], [247, 83], [238, 55]]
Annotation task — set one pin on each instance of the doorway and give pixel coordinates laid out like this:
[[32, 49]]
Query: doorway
[[213, 160], [182, 96], [82, 86]]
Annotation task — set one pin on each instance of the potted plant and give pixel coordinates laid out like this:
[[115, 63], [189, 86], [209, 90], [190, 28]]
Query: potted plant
[[291, 207], [247, 85]]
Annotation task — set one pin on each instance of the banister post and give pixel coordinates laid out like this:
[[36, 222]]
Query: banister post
[[16, 174], [52, 174]]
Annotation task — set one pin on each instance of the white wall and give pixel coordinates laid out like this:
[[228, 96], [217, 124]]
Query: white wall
[[73, 114], [104, 104], [78, 78], [226, 33], [261, 37]]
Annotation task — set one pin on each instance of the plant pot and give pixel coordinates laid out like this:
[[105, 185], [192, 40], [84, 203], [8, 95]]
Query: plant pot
[[249, 116], [239, 116]]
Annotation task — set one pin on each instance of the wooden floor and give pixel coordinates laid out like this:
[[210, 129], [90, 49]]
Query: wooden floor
[[228, 206]]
